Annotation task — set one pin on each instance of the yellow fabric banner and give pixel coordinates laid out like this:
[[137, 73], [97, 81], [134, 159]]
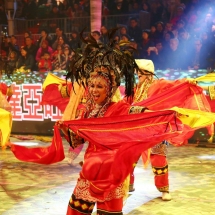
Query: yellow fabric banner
[[53, 79], [5, 126], [194, 118]]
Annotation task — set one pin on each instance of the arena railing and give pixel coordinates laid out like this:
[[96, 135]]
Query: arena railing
[[77, 23]]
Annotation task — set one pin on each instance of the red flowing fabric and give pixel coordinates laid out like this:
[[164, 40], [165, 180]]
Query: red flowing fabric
[[42, 155], [175, 96], [52, 96], [3, 88], [184, 95], [118, 141]]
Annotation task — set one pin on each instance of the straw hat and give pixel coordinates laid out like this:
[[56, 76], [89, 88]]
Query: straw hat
[[146, 65]]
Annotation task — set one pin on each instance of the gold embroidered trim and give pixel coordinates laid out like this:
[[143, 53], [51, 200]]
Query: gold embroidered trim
[[160, 170], [82, 192], [211, 90], [159, 149], [163, 189], [136, 109], [64, 92]]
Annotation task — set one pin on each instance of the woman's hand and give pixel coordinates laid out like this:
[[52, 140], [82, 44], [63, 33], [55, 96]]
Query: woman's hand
[[61, 126]]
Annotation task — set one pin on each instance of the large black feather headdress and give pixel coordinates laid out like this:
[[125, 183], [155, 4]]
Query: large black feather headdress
[[96, 56]]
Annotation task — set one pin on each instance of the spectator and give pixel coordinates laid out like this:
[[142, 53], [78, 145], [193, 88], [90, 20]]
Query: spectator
[[44, 7], [45, 63], [78, 10], [145, 7], [144, 45], [198, 56], [60, 41], [44, 36], [175, 58], [125, 37], [123, 30], [74, 41], [24, 8], [104, 35], [105, 9], [58, 33], [116, 39], [134, 45], [167, 27], [134, 30], [30, 47], [27, 34], [43, 49], [152, 33], [118, 7], [25, 61], [135, 8], [179, 16], [5, 44], [159, 31], [185, 40], [31, 12], [167, 37], [13, 47], [86, 7], [65, 8], [12, 60], [54, 15], [155, 12], [180, 25], [67, 54], [58, 59], [174, 8], [157, 55], [96, 35]]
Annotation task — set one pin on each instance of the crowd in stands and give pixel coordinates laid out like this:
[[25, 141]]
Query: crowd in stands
[[46, 54], [181, 35]]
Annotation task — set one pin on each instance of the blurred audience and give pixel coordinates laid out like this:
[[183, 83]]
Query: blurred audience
[[43, 49], [45, 63], [26, 61], [181, 34]]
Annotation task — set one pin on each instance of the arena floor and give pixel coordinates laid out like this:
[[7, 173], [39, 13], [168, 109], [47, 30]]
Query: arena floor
[[32, 189]]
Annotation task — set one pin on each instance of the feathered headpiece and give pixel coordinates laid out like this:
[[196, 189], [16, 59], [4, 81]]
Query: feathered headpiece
[[104, 58]]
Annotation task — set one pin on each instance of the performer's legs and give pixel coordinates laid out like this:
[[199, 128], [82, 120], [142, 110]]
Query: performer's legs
[[112, 207], [131, 183], [79, 207], [160, 170]]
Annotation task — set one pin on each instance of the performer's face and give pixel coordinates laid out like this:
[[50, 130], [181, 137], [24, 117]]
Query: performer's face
[[141, 77], [98, 89]]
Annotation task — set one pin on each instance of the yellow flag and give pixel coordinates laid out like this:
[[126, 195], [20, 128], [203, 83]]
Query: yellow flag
[[195, 118], [53, 79], [5, 126], [208, 77]]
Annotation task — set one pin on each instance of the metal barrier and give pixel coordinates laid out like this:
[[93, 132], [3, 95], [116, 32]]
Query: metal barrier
[[67, 24], [78, 23]]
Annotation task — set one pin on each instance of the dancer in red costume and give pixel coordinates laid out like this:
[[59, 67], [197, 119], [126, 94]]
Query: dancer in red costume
[[6, 117], [101, 69], [158, 152], [147, 88]]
